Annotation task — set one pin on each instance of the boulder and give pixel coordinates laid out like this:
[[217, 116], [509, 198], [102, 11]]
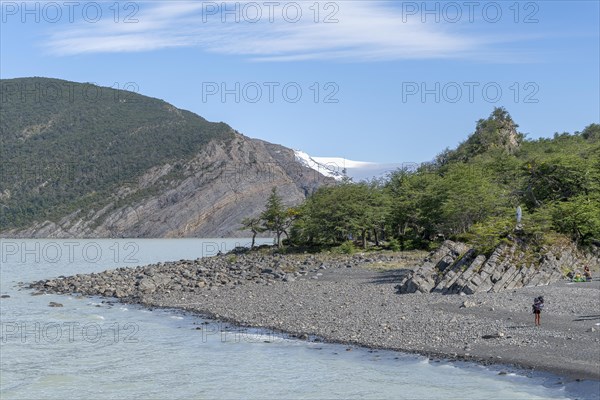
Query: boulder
[[467, 304], [146, 285]]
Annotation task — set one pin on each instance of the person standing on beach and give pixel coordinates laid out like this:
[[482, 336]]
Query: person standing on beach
[[587, 274], [538, 304]]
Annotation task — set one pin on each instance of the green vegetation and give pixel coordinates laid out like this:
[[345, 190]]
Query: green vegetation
[[68, 146], [276, 218], [470, 194], [254, 225], [345, 248], [336, 214]]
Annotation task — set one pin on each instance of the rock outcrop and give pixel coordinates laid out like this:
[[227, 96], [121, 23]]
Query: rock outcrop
[[455, 268]]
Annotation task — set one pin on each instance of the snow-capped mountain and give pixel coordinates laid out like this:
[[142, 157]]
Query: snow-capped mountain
[[338, 167]]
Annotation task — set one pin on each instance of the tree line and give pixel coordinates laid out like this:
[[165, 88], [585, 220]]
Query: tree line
[[469, 193]]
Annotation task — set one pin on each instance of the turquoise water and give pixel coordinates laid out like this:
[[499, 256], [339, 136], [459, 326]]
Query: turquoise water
[[93, 349]]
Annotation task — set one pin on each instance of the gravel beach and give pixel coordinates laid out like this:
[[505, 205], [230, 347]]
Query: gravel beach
[[352, 300]]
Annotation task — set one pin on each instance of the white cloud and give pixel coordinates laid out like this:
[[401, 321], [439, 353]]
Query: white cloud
[[365, 31]]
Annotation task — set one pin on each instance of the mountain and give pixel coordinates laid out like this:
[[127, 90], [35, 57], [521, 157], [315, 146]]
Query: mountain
[[338, 167], [80, 160]]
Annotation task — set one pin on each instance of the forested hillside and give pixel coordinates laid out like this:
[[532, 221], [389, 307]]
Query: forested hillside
[[68, 146], [470, 193], [80, 160]]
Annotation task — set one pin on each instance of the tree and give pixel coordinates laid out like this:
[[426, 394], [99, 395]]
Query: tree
[[276, 218], [556, 179], [333, 215], [415, 206], [468, 195], [578, 218], [591, 132], [371, 211], [254, 225]]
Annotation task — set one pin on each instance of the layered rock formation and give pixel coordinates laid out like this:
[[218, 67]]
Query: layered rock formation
[[128, 165], [455, 268], [206, 196]]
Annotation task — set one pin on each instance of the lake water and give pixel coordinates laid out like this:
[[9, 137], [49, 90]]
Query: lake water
[[90, 349]]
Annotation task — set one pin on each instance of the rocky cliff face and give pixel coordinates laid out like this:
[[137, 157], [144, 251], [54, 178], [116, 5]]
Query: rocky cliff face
[[455, 268], [122, 164], [206, 196]]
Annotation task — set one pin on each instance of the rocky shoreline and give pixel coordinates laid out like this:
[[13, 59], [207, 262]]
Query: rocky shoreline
[[352, 299]]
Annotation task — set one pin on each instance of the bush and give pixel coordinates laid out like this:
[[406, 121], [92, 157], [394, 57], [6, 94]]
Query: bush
[[345, 248], [393, 244], [486, 236]]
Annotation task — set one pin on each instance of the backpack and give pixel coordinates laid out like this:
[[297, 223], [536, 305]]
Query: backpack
[[538, 303]]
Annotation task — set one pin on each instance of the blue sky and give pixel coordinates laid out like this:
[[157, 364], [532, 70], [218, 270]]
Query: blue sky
[[367, 80]]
